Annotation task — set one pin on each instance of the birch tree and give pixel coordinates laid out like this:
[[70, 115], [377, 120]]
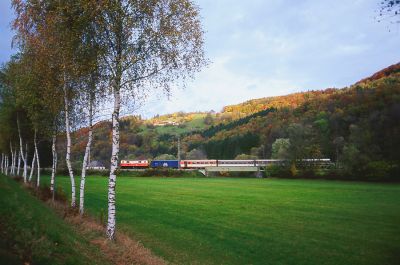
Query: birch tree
[[54, 162], [91, 94], [29, 94], [49, 29], [90, 71], [32, 167], [13, 116], [19, 162], [148, 44], [21, 150]]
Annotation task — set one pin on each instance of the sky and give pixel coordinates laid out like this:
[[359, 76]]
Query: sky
[[261, 48]]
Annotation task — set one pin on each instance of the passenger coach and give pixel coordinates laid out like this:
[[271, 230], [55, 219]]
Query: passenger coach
[[134, 164]]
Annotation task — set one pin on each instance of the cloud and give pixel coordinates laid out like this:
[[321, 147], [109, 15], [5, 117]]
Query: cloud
[[216, 87], [264, 48], [350, 49]]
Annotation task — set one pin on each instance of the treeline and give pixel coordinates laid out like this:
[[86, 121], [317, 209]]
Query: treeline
[[230, 147], [231, 125], [76, 57], [355, 127]]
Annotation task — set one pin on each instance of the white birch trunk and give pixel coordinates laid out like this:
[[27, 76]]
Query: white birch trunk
[[68, 153], [3, 160], [19, 163], [12, 164], [26, 162], [32, 166], [113, 167], [15, 160], [85, 160], [6, 165], [12, 159], [54, 166], [37, 159], [24, 158]]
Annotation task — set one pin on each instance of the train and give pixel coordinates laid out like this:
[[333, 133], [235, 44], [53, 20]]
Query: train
[[201, 164]]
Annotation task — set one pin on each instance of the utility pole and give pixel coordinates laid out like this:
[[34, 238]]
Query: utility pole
[[179, 151]]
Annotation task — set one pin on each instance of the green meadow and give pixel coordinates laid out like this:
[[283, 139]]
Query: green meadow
[[32, 233], [254, 221]]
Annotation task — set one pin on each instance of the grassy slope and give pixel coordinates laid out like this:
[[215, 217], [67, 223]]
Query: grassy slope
[[253, 221], [32, 232], [197, 123]]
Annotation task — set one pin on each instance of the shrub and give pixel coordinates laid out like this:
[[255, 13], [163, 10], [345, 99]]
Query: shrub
[[378, 170], [103, 173], [293, 170], [60, 195], [277, 171]]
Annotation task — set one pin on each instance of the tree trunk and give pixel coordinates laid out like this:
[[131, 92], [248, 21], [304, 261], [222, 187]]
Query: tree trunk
[[37, 159], [24, 159], [114, 163], [19, 163], [54, 166], [26, 162], [86, 158], [3, 161], [15, 161], [68, 154], [12, 159], [6, 165], [32, 166]]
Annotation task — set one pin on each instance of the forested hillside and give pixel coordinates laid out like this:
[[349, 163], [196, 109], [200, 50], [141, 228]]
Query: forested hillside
[[358, 126]]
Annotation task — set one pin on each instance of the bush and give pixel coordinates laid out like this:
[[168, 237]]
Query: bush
[[293, 170], [60, 195], [277, 171], [44, 193], [62, 171], [103, 173], [378, 170]]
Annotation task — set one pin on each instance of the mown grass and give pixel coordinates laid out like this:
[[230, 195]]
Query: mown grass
[[31, 232], [255, 221]]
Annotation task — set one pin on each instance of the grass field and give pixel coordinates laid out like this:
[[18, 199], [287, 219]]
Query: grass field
[[256, 221], [31, 233], [197, 123]]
